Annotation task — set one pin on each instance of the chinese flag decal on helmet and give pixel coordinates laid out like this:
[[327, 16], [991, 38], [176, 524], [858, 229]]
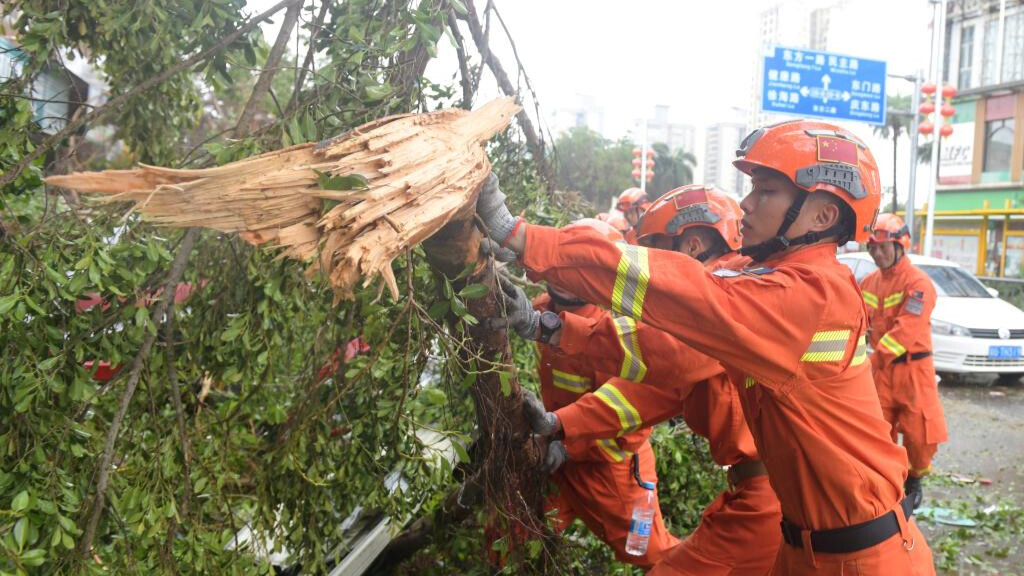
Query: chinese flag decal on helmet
[[832, 149]]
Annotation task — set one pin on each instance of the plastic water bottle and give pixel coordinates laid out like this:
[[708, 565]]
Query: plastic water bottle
[[641, 521]]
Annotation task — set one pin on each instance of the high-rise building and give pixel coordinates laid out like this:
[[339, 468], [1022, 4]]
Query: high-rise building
[[586, 113], [721, 142], [799, 24], [661, 129]]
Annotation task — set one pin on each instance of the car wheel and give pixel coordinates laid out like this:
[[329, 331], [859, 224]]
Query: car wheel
[[1008, 379]]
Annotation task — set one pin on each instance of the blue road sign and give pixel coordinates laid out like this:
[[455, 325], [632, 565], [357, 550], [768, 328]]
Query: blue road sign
[[822, 84]]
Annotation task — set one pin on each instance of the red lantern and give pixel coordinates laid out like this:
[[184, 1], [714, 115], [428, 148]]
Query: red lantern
[[946, 130], [636, 151], [947, 110], [928, 88], [927, 107], [948, 91], [650, 175], [636, 162], [636, 173], [925, 128]]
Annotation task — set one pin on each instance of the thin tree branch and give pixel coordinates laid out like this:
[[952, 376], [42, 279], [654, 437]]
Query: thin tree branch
[[118, 101], [179, 410], [460, 49], [533, 140], [308, 61], [245, 120], [157, 317]]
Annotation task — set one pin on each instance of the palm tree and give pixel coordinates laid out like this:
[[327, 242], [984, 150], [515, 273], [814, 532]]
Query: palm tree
[[898, 117], [672, 169]]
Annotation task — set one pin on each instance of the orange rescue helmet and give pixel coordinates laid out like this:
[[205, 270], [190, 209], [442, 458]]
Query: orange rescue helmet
[[693, 205], [605, 228], [632, 198], [890, 228], [817, 156]]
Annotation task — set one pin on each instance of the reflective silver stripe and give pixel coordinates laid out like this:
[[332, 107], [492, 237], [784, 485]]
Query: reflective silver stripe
[[860, 354], [827, 346], [633, 367], [629, 418], [570, 382], [631, 278]]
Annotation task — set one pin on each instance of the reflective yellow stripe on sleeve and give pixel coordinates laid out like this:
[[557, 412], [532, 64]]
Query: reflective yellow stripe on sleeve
[[870, 299], [629, 418], [749, 382], [892, 300], [611, 448], [633, 367], [631, 278], [827, 346], [892, 345], [570, 382]]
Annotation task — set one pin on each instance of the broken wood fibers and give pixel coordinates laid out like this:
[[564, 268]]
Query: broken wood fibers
[[422, 169]]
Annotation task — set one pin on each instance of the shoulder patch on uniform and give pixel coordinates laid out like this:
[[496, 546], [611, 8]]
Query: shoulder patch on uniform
[[726, 273], [758, 270], [915, 306], [917, 294]]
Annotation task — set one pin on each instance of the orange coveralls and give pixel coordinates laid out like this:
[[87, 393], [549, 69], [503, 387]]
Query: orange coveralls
[[739, 532], [900, 300], [790, 334], [596, 484]]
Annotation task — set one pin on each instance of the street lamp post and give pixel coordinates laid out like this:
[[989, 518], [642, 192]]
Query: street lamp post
[[938, 44], [917, 79], [914, 105]]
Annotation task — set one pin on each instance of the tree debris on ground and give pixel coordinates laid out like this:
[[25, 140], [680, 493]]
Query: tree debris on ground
[[349, 205]]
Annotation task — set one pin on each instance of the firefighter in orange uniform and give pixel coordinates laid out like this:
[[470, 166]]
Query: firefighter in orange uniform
[[632, 203], [790, 332], [593, 477], [900, 298], [738, 534]]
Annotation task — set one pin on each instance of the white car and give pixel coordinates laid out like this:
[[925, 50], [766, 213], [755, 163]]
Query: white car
[[973, 331]]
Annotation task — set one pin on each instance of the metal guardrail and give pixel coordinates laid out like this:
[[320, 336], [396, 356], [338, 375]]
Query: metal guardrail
[[1010, 289]]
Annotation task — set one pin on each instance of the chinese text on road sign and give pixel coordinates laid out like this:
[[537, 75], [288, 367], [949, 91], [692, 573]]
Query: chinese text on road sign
[[835, 86]]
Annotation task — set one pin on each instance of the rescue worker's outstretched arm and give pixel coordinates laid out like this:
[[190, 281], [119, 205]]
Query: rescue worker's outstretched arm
[[619, 407], [916, 305], [635, 351], [723, 316]]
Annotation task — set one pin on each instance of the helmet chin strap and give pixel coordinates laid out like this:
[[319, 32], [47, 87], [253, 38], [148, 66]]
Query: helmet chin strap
[[565, 302], [764, 250]]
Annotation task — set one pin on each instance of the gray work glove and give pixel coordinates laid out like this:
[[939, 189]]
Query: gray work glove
[[491, 248], [490, 206], [555, 457], [542, 422], [520, 316]]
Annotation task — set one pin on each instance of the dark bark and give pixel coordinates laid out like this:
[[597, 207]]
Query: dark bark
[[135, 374], [506, 462], [533, 139], [307, 63], [270, 68]]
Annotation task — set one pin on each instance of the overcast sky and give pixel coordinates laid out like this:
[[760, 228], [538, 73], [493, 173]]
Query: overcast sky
[[696, 56]]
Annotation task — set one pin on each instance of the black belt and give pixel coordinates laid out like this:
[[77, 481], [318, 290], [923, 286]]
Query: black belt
[[915, 356], [849, 538]]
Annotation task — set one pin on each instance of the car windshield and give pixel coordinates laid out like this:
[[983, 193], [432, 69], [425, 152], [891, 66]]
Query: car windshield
[[955, 283]]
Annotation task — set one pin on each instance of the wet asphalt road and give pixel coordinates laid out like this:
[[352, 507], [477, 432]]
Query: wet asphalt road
[[986, 443]]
